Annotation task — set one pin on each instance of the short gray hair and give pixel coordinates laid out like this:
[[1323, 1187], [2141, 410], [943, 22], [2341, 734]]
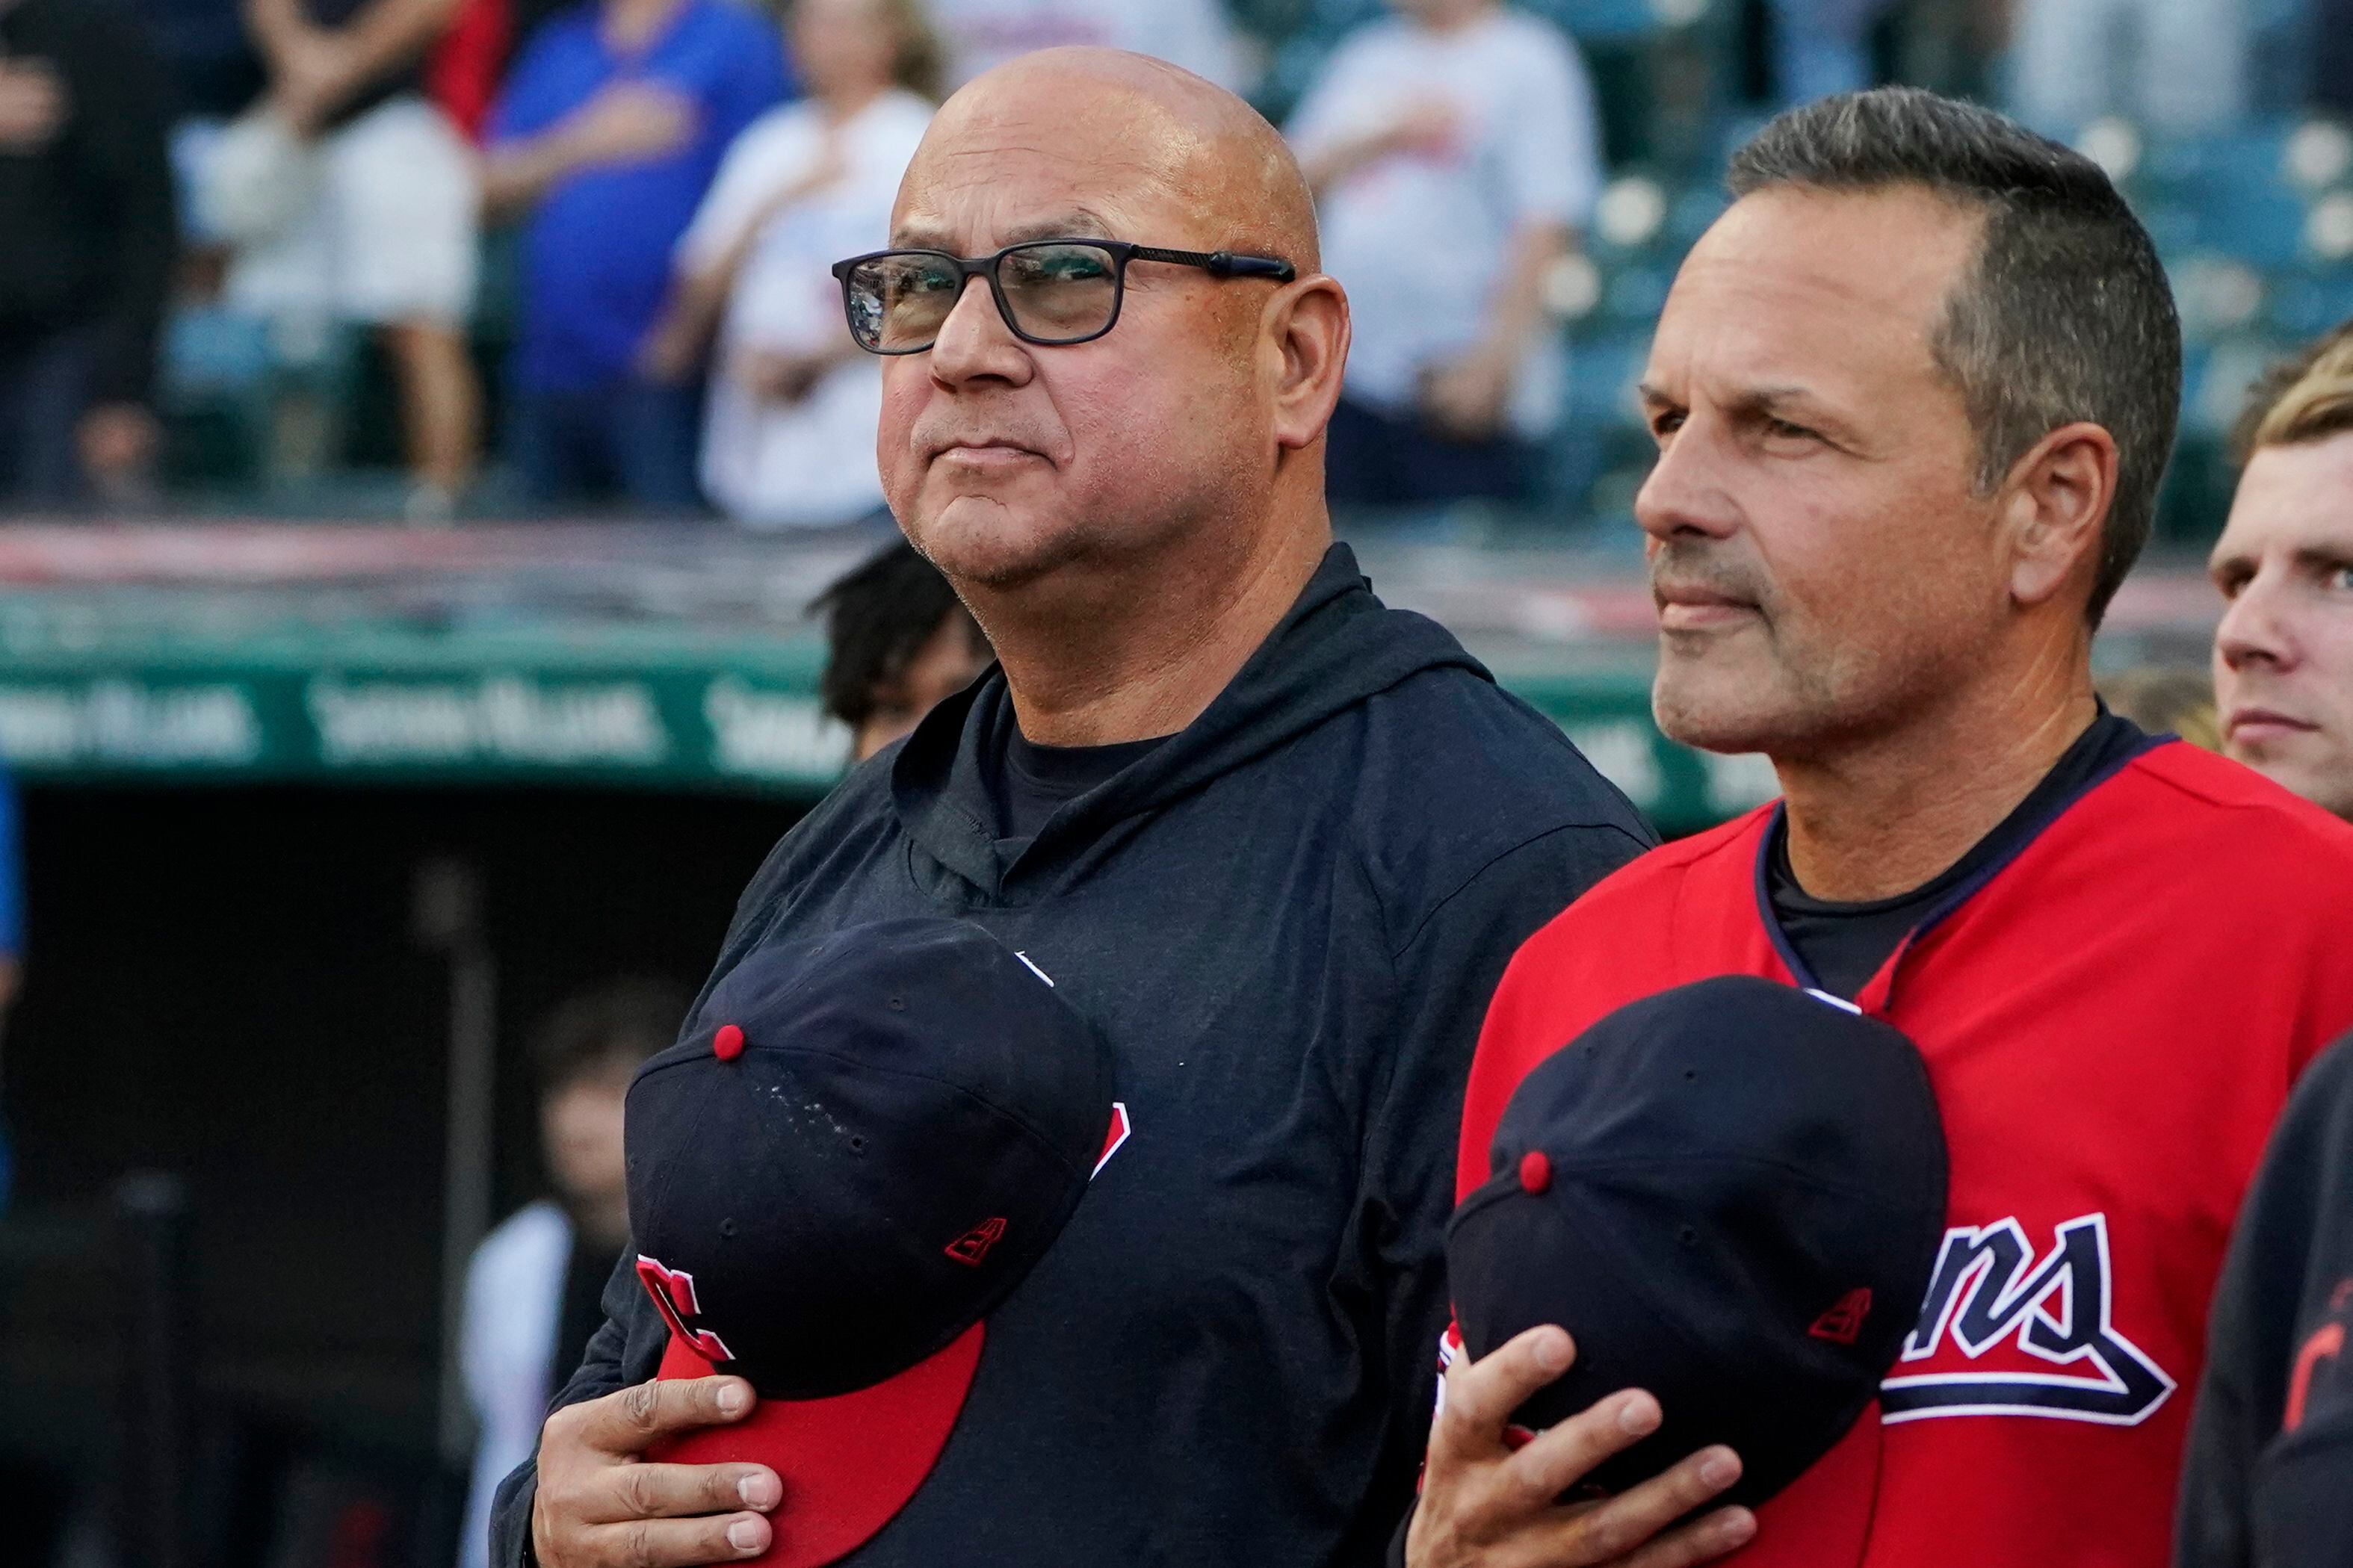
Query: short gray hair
[[2065, 314]]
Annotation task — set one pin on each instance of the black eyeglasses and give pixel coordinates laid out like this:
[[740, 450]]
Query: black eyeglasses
[[1051, 292]]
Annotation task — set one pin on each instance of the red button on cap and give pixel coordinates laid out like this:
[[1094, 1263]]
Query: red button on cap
[[728, 1042], [1535, 1171]]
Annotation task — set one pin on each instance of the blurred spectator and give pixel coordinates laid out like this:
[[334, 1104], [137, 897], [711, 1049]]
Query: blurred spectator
[[2166, 700], [207, 54], [533, 1285], [87, 234], [2180, 65], [350, 198], [2283, 653], [470, 66], [789, 435], [1454, 154], [899, 642], [609, 131], [1195, 34], [1821, 48]]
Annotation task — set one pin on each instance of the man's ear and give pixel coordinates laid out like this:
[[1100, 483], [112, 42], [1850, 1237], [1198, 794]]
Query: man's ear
[[1303, 348], [2057, 512]]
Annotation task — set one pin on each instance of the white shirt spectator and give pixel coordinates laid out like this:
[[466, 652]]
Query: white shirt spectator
[[811, 462], [1420, 240], [385, 230], [2178, 65], [1195, 34], [514, 1290]]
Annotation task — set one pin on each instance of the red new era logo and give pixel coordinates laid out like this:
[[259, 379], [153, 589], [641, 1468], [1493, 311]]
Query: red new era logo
[[1843, 1324], [973, 1246]]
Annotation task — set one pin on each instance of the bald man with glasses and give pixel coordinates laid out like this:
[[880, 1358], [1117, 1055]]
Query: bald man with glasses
[[1275, 839]]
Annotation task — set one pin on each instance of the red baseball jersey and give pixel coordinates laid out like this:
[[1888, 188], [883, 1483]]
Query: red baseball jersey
[[2112, 1019]]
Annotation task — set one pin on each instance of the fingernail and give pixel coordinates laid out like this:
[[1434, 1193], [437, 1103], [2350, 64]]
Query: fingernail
[[1738, 1527], [1552, 1353], [731, 1399], [1721, 1470], [759, 1491], [1637, 1416], [744, 1535]]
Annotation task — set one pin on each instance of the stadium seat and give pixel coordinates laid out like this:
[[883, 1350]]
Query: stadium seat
[[2309, 300], [239, 397], [213, 392], [208, 351], [1593, 21], [1617, 21], [2228, 193], [1604, 368], [1691, 210], [2215, 381], [1632, 297], [1602, 438]]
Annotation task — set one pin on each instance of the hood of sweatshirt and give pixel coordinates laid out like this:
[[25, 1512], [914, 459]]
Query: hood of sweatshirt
[[1337, 646]]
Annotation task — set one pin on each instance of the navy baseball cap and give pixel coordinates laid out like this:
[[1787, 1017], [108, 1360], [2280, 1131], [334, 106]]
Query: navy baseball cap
[[862, 1144], [1730, 1194]]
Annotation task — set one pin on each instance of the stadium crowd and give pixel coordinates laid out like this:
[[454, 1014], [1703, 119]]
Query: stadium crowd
[[568, 258]]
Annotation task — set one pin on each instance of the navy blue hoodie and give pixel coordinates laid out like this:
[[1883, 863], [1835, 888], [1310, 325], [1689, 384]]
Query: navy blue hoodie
[[1287, 919], [2268, 1479]]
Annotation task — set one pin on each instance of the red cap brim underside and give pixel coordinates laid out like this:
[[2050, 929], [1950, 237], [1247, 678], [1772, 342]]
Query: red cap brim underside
[[1822, 1519], [849, 1463]]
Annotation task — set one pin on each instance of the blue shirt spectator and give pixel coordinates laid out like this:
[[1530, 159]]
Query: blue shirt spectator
[[610, 128]]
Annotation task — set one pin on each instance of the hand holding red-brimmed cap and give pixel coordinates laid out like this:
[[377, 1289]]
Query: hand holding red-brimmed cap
[[1492, 1501], [600, 1505], [861, 1145]]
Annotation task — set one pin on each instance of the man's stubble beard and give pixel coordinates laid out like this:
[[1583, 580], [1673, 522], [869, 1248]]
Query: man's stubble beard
[[1707, 705], [1791, 709], [1000, 556], [1086, 551], [2326, 781]]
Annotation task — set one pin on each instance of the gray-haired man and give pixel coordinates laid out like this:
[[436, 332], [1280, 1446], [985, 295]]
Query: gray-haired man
[[1912, 397]]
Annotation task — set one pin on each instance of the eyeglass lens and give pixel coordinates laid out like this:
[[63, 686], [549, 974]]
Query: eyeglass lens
[[1055, 293]]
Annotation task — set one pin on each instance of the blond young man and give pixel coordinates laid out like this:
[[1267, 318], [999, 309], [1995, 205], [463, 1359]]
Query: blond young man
[[2283, 653]]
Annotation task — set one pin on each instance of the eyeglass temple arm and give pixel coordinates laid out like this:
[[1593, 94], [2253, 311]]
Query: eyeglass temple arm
[[1224, 263]]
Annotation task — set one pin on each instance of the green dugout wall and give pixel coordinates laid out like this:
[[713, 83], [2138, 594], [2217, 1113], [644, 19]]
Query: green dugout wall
[[673, 659]]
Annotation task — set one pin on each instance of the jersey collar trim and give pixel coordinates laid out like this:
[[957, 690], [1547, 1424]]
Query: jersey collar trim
[[1874, 994]]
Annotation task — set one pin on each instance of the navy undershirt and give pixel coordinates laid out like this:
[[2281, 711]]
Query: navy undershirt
[[1844, 945], [1030, 782]]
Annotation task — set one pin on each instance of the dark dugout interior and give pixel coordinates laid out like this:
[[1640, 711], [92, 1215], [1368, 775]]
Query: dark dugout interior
[[229, 990]]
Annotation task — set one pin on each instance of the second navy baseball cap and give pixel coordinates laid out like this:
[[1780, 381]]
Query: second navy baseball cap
[[862, 1144], [1731, 1194]]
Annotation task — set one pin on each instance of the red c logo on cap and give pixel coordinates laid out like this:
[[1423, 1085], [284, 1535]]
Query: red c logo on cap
[[673, 1293]]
